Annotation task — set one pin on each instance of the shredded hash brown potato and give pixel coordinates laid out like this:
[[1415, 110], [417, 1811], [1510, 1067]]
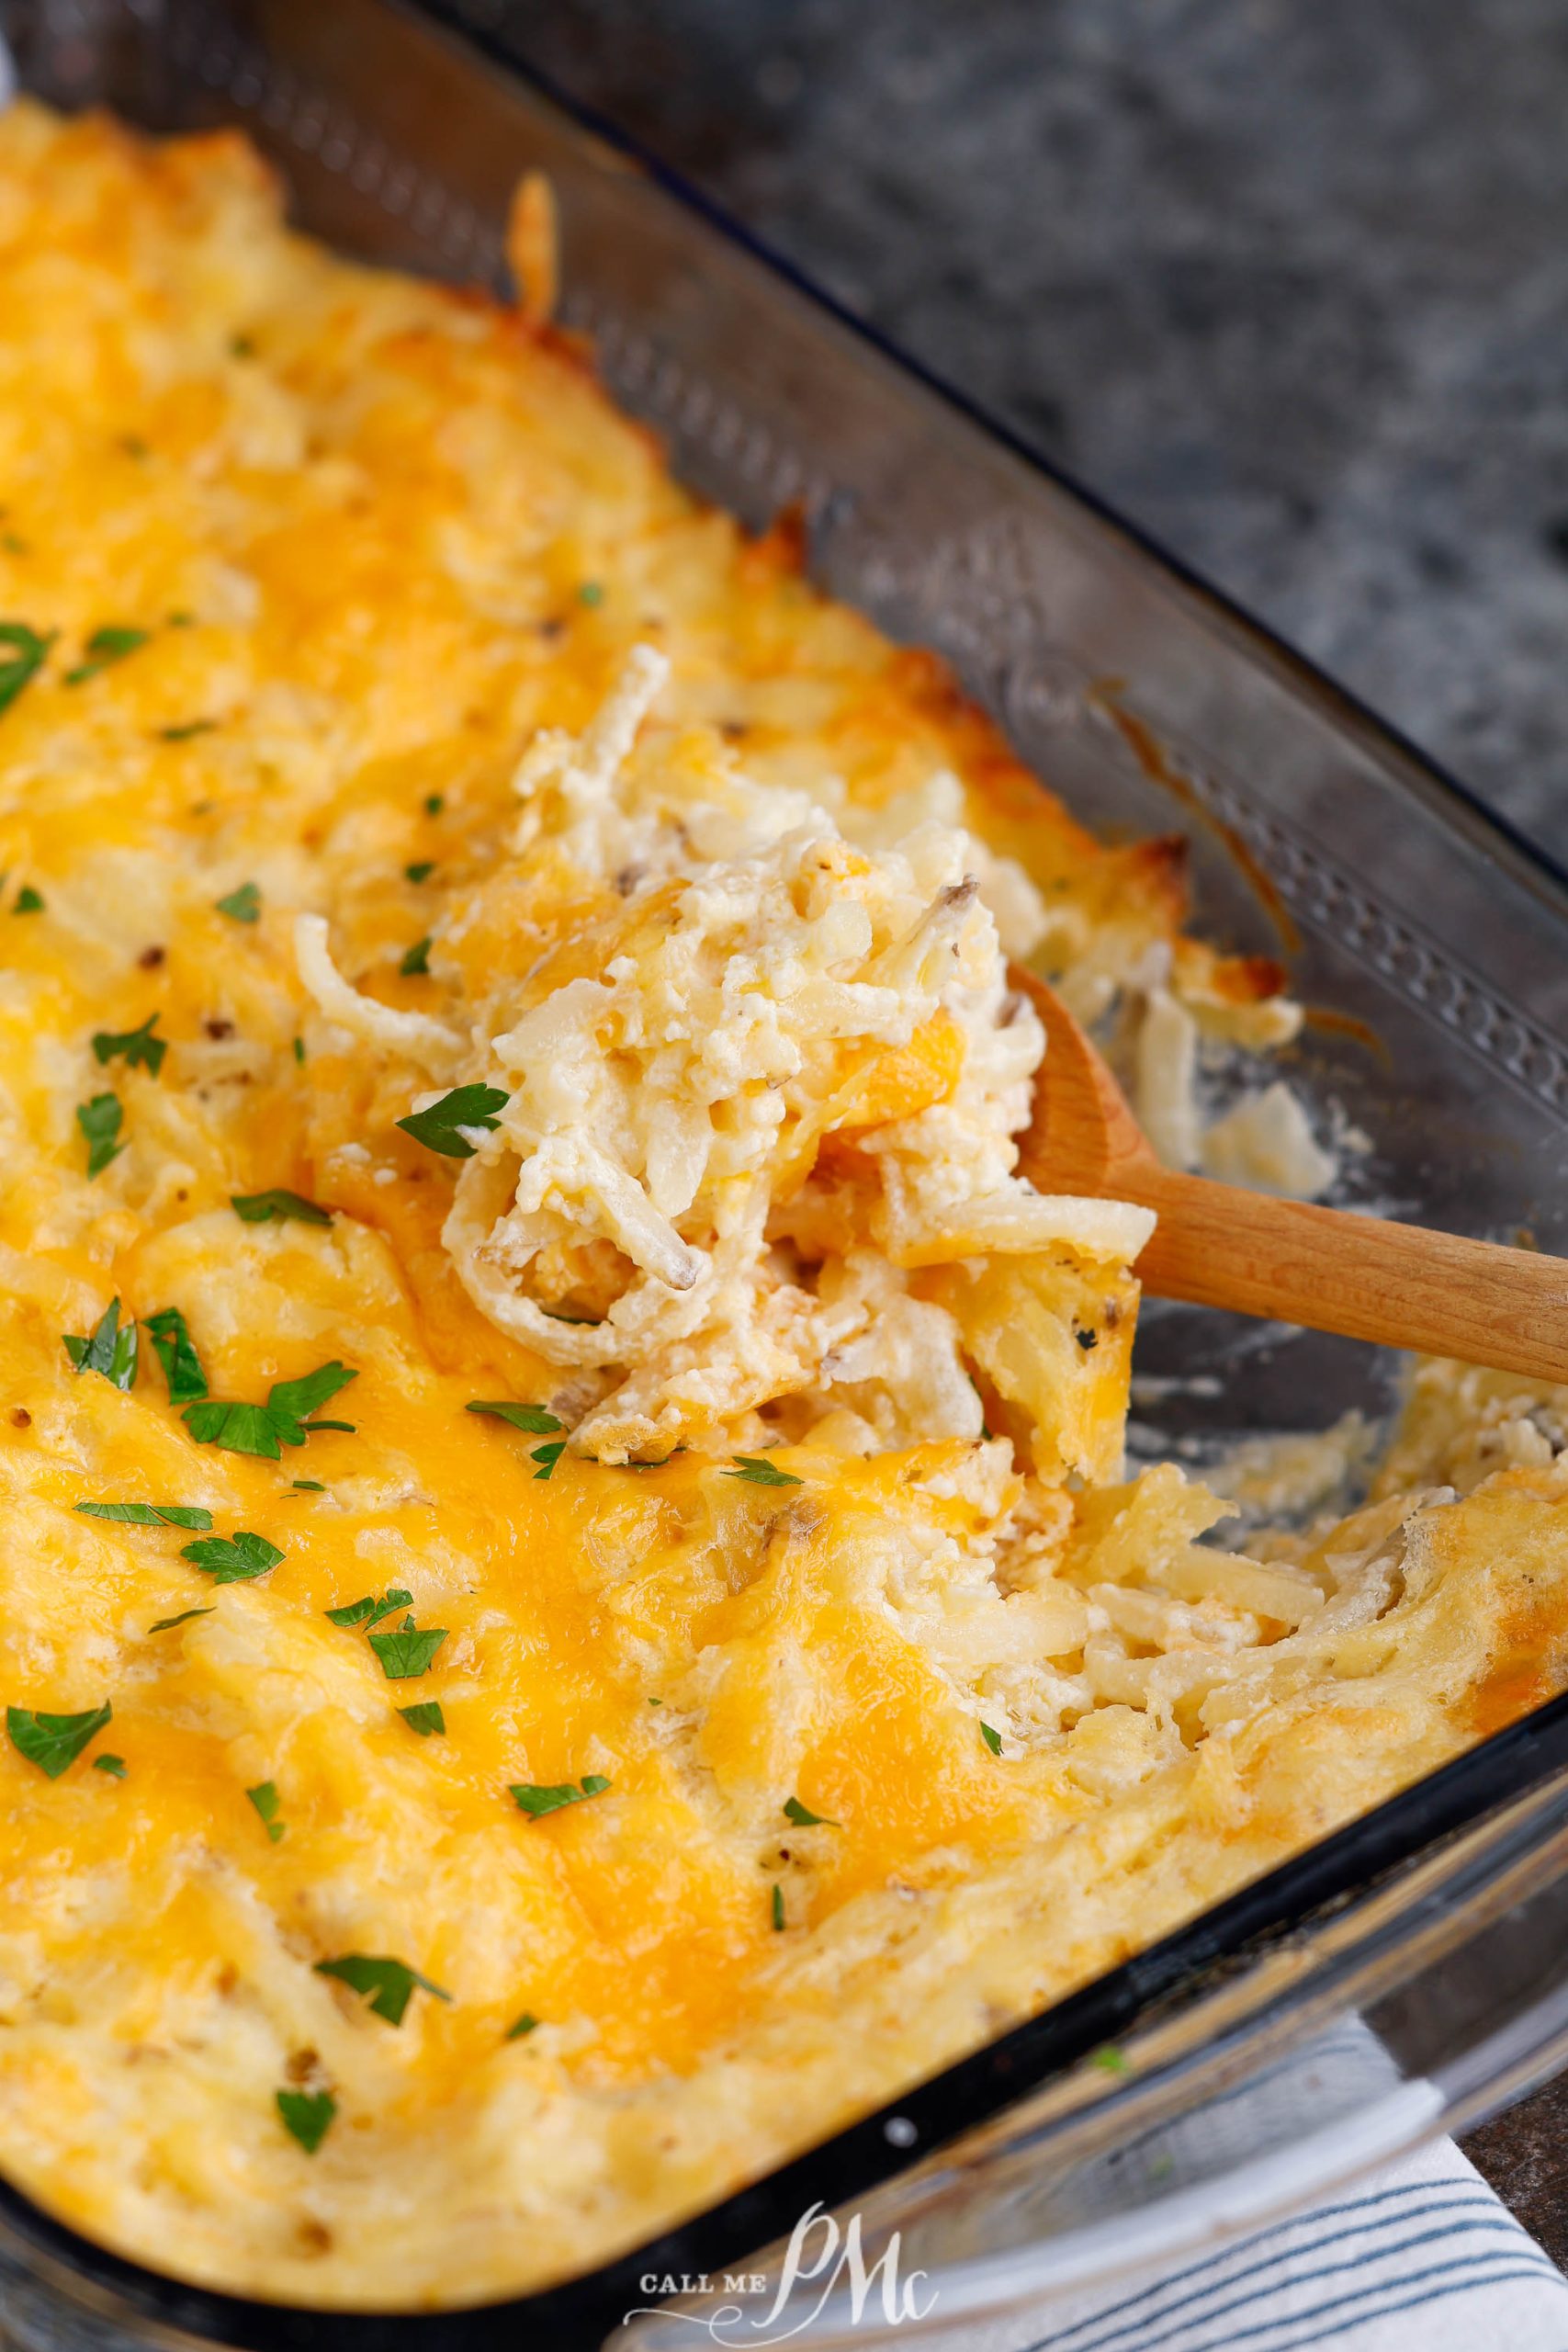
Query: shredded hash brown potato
[[444, 1847]]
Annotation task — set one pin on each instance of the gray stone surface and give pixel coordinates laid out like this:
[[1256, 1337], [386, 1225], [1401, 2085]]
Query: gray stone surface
[[1286, 280]]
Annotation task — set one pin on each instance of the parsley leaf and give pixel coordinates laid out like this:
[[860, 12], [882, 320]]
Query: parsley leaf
[[370, 1611], [242, 905], [546, 1456], [802, 1819], [261, 1208], [778, 1908], [993, 1739], [264, 1429], [140, 1046], [232, 1559], [107, 1350], [433, 803], [307, 1487], [29, 901], [105, 644], [761, 1471], [293, 1400], [99, 1121], [307, 2116], [532, 1417], [149, 1514], [113, 1765], [421, 871], [238, 1429], [531, 1798], [167, 1625], [266, 1801], [415, 963], [191, 727], [26, 655], [182, 1366], [408, 1652], [590, 594], [528, 2023], [425, 1718], [390, 1982], [1109, 2059], [53, 1742], [439, 1127]]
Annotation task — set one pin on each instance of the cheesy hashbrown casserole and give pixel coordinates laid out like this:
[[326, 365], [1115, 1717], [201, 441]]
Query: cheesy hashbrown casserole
[[572, 1617]]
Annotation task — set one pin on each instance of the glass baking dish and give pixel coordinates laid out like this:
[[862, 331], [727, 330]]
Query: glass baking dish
[[1411, 1971]]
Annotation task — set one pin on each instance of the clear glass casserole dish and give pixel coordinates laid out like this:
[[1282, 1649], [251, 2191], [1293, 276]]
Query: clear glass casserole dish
[[1405, 1974]]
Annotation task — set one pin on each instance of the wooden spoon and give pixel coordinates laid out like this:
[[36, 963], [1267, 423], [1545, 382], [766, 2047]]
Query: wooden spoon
[[1221, 1246]]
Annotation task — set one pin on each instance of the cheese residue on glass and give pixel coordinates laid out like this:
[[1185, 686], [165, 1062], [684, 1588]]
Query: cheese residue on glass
[[445, 1847]]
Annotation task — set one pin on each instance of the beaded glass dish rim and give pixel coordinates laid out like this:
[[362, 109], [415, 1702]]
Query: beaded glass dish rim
[[201, 43]]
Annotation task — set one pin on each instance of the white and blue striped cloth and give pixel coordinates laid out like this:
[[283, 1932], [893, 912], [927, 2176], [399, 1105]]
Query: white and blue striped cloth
[[1421, 2257]]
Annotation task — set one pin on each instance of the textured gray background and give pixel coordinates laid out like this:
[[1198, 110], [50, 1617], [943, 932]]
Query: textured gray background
[[1286, 280]]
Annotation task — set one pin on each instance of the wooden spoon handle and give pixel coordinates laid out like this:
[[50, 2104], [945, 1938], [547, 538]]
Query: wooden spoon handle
[[1362, 1276]]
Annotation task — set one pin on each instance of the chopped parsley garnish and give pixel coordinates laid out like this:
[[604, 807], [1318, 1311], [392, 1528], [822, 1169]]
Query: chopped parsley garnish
[[529, 1797], [99, 1121], [370, 1611], [113, 1765], [22, 654], [532, 1417], [307, 1487], [242, 905], [761, 1471], [191, 727], [546, 1456], [189, 1515], [138, 1046], [778, 1908], [167, 1625], [420, 871], [266, 1801], [425, 1718], [590, 594], [182, 1366], [390, 1982], [300, 1050], [408, 1651], [261, 1208], [416, 965], [108, 1349], [54, 1742], [307, 2116], [232, 1559], [264, 1429], [804, 1819], [521, 2027], [29, 901], [105, 644], [993, 1739], [433, 803], [1109, 2059], [440, 1126]]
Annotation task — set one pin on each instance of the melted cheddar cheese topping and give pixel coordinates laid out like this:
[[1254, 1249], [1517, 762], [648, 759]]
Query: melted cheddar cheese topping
[[799, 1693]]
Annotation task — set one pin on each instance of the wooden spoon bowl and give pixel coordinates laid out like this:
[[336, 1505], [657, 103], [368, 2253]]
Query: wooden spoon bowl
[[1218, 1245]]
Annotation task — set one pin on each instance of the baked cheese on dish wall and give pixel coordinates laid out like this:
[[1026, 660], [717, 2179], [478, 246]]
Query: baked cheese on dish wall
[[381, 721]]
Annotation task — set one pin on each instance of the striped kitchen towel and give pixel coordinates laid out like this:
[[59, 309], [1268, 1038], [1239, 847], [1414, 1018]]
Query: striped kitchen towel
[[1421, 2257]]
